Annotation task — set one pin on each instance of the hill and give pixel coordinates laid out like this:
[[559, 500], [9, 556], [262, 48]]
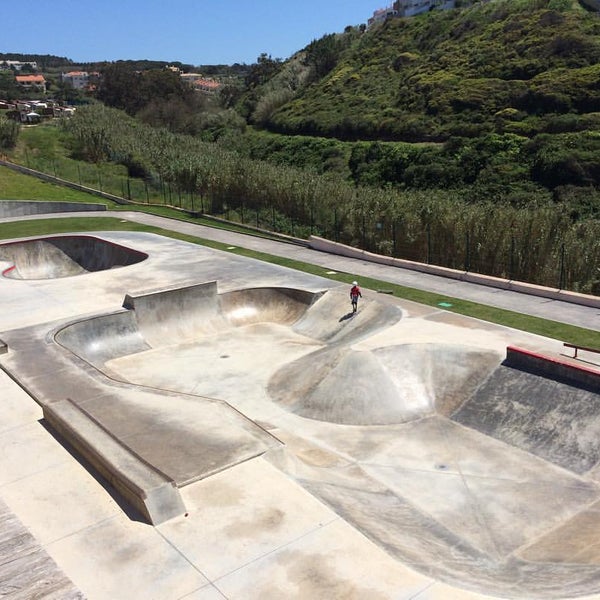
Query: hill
[[504, 66]]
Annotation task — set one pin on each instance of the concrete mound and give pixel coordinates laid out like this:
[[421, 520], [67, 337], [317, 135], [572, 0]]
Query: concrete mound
[[386, 386], [64, 256]]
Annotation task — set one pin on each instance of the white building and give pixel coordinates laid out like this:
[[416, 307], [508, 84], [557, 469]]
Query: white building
[[410, 8], [382, 14], [80, 80], [17, 65]]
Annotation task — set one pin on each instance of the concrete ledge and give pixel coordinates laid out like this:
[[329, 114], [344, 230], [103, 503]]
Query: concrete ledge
[[148, 490], [554, 368], [317, 243]]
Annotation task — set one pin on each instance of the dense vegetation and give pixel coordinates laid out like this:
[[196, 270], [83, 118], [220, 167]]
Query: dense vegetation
[[507, 66], [543, 243]]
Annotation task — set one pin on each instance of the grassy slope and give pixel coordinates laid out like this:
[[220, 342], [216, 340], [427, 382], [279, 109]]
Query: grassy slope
[[16, 186], [453, 66]]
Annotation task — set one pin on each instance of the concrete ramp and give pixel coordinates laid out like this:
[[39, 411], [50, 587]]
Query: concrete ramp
[[64, 256], [330, 321], [176, 316], [538, 405], [386, 386]]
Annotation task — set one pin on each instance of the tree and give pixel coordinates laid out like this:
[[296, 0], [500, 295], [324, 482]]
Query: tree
[[323, 54], [264, 68], [9, 132], [9, 90], [119, 88]]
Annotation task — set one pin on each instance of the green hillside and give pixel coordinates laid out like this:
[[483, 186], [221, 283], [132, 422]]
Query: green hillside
[[504, 66]]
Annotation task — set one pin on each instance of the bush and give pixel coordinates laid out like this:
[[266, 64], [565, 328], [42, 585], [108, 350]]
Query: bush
[[9, 133]]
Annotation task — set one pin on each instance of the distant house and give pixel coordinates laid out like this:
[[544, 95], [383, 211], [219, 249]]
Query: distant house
[[80, 80], [382, 14], [17, 65], [409, 8], [200, 83], [208, 86], [31, 82]]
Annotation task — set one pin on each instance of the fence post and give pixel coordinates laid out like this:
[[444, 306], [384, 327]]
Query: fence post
[[428, 243], [511, 273], [561, 282], [336, 235], [467, 252], [364, 233]]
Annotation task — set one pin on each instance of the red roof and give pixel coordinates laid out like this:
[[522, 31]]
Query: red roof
[[30, 78]]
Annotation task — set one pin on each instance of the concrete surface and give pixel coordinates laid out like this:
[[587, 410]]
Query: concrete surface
[[19, 208], [357, 456]]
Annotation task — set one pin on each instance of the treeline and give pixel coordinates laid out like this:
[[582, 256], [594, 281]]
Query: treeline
[[44, 61], [160, 97], [561, 169], [542, 244]]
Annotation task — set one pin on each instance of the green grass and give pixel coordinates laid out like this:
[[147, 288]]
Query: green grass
[[543, 327], [16, 186]]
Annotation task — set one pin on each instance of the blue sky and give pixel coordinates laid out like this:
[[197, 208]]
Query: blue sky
[[191, 31]]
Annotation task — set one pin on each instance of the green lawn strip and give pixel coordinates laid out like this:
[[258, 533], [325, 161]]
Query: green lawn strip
[[543, 327]]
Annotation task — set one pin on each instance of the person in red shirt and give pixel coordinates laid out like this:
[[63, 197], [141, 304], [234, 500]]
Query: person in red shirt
[[354, 294]]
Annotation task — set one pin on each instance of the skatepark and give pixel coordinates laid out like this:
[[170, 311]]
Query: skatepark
[[183, 422]]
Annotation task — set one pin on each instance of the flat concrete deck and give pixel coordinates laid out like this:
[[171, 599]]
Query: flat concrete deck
[[386, 455]]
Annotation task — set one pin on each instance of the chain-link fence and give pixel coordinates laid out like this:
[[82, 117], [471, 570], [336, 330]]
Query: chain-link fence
[[509, 256]]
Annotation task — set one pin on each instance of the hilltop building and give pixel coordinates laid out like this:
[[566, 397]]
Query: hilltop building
[[382, 14], [81, 80], [17, 65], [409, 8]]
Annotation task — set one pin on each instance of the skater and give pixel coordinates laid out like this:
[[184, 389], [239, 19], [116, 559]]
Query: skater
[[354, 294]]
